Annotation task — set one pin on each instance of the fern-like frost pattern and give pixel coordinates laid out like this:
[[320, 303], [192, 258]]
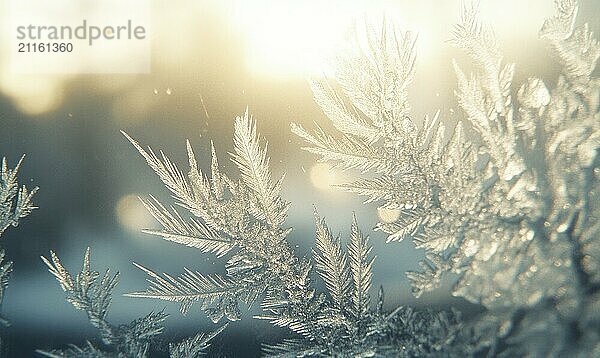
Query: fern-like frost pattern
[[15, 204], [514, 212], [92, 292], [243, 221]]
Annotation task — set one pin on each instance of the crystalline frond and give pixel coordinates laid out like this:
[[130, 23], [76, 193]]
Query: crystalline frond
[[361, 267], [368, 104], [15, 201], [543, 180], [575, 46], [87, 351], [244, 225], [87, 291], [406, 167], [90, 292], [195, 346], [526, 246], [213, 231], [348, 152], [485, 95], [241, 221], [136, 337], [426, 180], [429, 278], [480, 43], [291, 348], [169, 174], [192, 287], [374, 74], [5, 271], [192, 233], [348, 277], [15, 204], [345, 119], [355, 327], [332, 264], [515, 213], [253, 164]]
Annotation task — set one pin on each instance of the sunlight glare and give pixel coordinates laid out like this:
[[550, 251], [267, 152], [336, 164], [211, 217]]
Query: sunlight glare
[[300, 37]]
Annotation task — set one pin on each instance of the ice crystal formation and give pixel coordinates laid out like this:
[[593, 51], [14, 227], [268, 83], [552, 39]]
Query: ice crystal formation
[[15, 204], [348, 324], [244, 221], [514, 209], [92, 293]]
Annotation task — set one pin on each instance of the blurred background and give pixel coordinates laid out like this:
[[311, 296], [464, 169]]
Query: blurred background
[[211, 59]]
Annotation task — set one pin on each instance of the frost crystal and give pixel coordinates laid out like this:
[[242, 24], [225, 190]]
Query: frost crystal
[[244, 221], [514, 213], [15, 201], [15, 204], [92, 293], [346, 324]]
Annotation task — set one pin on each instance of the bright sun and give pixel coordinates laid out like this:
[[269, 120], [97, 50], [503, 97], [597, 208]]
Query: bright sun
[[299, 37]]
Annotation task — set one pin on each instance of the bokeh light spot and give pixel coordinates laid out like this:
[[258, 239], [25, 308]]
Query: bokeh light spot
[[132, 215]]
